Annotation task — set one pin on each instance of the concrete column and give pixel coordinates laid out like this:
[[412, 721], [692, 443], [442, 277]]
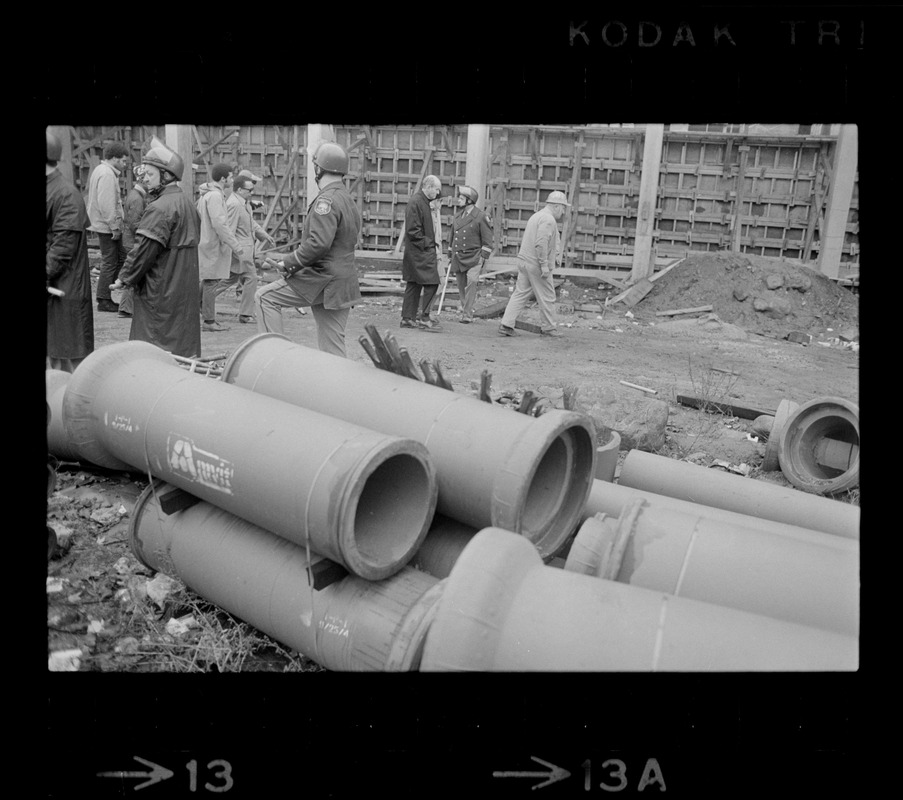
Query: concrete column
[[839, 197], [476, 171], [179, 139], [643, 256], [315, 135], [64, 134]]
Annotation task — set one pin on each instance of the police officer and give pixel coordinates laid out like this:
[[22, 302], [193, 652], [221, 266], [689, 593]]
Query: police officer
[[469, 245], [321, 272]]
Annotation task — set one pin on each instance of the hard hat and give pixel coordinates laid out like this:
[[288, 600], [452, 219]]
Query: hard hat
[[54, 147], [162, 157], [331, 157], [469, 192], [558, 197]]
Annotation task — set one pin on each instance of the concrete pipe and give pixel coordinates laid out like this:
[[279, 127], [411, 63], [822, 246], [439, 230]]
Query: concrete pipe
[[530, 475], [444, 543], [688, 555], [349, 624], [58, 444], [502, 609], [771, 461], [612, 499], [685, 481], [607, 458], [819, 446], [360, 498]]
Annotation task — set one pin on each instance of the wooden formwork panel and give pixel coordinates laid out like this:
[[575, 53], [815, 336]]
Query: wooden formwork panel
[[713, 195]]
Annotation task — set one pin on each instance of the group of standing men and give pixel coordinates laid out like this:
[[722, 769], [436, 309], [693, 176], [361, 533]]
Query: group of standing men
[[171, 257]]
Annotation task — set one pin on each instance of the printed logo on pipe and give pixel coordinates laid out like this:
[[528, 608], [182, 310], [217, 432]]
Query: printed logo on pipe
[[200, 466]]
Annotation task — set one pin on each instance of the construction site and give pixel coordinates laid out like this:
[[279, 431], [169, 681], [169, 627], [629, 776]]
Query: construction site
[[672, 485]]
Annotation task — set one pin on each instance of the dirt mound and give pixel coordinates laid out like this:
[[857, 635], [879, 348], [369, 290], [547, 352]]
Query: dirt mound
[[768, 296]]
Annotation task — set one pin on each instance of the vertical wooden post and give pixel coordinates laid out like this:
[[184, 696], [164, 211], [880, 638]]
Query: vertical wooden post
[[743, 149], [64, 134], [476, 168], [643, 256], [179, 139], [839, 196], [296, 144]]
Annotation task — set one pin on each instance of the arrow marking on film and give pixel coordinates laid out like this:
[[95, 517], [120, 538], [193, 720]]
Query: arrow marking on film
[[156, 774], [555, 774]]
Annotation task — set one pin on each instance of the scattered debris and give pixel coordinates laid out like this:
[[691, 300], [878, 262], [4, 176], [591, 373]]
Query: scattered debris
[[641, 388]]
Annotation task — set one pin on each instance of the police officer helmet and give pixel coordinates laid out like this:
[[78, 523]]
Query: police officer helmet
[[469, 193], [54, 147], [331, 157], [161, 157]]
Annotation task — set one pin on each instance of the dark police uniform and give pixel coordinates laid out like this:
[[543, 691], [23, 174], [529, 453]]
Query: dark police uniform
[[322, 272], [469, 244]]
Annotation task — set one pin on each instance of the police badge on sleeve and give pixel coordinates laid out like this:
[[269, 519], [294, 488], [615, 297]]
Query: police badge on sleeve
[[323, 206]]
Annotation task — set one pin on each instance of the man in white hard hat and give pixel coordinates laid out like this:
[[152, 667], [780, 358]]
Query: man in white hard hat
[[537, 257]]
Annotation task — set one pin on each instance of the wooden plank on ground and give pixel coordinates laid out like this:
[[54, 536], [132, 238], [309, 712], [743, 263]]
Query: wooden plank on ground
[[495, 310], [532, 327], [676, 311], [732, 409], [635, 293]]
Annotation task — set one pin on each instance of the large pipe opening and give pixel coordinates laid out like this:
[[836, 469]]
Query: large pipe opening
[[396, 498]]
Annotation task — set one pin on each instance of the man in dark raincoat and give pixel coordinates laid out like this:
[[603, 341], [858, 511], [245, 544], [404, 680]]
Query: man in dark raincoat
[[70, 318], [420, 263], [162, 267]]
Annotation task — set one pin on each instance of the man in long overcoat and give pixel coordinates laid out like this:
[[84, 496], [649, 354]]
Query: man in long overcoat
[[162, 267], [70, 318], [420, 264]]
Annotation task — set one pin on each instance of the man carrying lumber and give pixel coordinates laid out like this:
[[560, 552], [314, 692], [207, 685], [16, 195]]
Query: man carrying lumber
[[469, 245], [538, 256]]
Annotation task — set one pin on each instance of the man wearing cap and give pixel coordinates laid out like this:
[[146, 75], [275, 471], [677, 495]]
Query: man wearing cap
[[242, 270], [162, 267], [70, 319], [537, 257], [420, 263], [321, 272], [105, 213], [469, 245]]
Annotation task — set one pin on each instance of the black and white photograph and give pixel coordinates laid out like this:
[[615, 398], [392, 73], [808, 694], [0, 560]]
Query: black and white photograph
[[516, 386]]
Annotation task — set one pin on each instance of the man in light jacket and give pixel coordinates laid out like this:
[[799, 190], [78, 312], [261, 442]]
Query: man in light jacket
[[538, 255], [218, 242], [105, 214], [242, 269]]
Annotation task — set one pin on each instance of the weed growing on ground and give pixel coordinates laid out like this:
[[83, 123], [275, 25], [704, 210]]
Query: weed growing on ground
[[713, 388]]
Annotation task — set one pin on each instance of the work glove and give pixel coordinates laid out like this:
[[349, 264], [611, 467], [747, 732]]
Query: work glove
[[117, 235]]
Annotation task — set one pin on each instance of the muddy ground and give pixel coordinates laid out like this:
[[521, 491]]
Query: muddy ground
[[106, 612]]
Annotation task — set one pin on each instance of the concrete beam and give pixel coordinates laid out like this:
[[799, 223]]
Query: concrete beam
[[64, 134], [839, 196], [476, 170], [179, 139], [643, 256]]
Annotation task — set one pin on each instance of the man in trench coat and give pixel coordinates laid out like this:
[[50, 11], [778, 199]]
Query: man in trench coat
[[420, 263], [70, 319], [162, 267]]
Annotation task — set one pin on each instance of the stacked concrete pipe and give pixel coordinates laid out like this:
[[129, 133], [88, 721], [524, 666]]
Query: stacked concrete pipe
[[58, 444], [812, 580], [348, 624], [361, 498], [685, 481], [444, 543], [494, 467], [818, 446], [502, 609]]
